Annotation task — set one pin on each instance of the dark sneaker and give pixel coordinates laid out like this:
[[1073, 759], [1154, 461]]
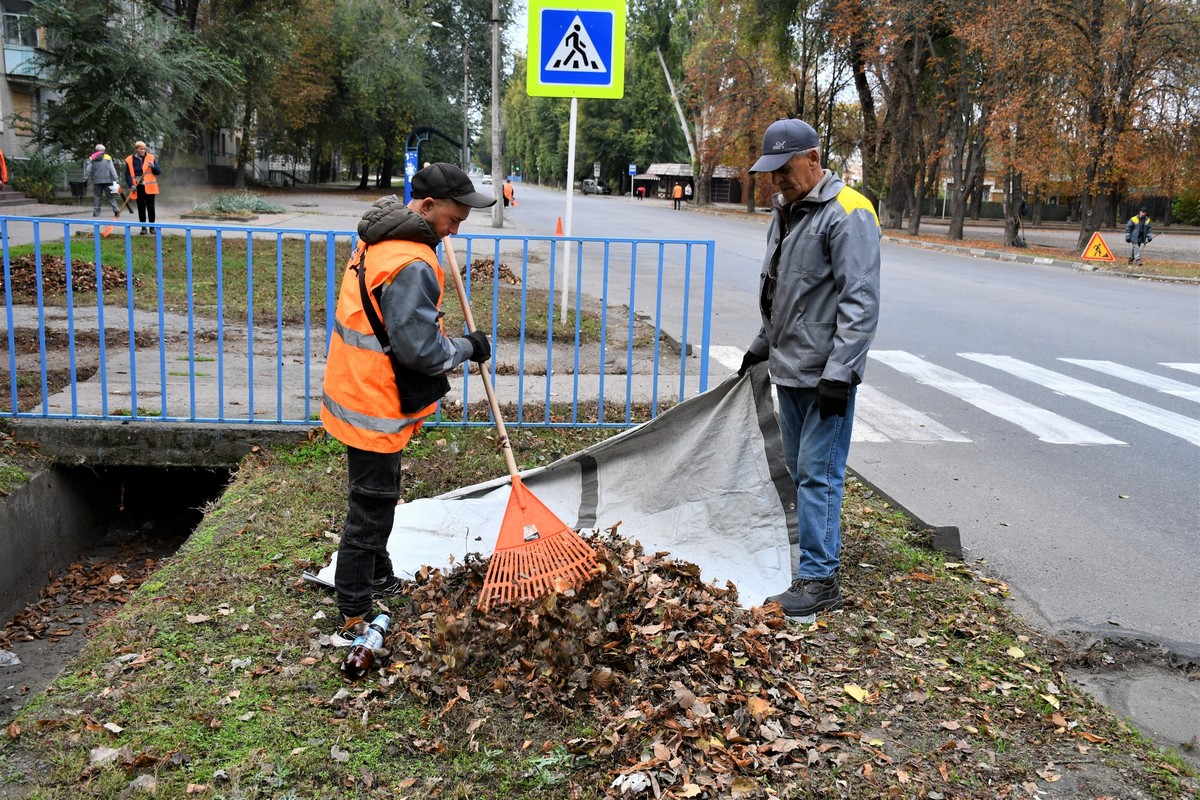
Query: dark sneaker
[[807, 596], [388, 587]]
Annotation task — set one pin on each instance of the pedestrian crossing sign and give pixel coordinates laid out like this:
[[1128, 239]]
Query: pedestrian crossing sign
[[1097, 250], [576, 48]]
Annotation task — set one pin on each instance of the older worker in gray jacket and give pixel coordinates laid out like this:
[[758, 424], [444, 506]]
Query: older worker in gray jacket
[[819, 300], [100, 170]]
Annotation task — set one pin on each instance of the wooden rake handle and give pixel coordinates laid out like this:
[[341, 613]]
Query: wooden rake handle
[[483, 371]]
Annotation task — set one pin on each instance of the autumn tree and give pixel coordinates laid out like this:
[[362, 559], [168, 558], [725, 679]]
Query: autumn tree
[[737, 91], [256, 37], [1113, 52]]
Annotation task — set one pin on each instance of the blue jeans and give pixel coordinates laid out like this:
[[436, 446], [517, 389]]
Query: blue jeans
[[815, 450], [363, 555]]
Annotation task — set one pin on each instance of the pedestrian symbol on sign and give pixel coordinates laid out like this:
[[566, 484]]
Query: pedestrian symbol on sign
[[576, 53]]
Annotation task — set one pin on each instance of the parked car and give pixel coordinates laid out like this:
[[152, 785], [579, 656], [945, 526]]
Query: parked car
[[593, 186]]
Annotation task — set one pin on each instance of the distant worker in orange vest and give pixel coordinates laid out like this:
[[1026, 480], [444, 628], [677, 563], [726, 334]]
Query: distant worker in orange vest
[[142, 170], [3, 171], [677, 195], [510, 197]]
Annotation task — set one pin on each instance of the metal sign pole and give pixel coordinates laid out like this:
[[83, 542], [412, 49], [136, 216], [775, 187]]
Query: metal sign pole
[[566, 272]]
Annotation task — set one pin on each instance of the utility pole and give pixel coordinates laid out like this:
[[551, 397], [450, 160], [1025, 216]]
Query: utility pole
[[466, 106], [497, 161]]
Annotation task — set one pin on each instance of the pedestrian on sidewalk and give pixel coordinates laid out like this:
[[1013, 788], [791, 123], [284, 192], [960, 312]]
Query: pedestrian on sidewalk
[[676, 196], [386, 367], [687, 193], [1138, 232], [819, 301], [141, 175], [102, 172], [510, 196]]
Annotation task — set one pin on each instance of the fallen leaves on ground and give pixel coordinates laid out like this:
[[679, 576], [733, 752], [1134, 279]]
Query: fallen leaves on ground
[[688, 693], [24, 272], [483, 269]]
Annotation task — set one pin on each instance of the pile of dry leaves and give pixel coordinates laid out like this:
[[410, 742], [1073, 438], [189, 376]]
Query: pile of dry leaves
[[691, 691], [23, 271], [482, 270]]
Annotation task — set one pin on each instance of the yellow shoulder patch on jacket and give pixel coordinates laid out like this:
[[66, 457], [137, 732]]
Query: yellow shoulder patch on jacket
[[852, 200]]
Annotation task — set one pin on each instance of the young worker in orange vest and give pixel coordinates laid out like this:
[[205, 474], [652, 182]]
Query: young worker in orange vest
[[141, 169], [385, 372]]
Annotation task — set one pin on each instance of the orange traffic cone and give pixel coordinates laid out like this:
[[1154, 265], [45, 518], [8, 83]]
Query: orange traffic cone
[[558, 227]]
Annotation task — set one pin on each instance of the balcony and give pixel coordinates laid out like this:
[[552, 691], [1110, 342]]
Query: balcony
[[21, 41]]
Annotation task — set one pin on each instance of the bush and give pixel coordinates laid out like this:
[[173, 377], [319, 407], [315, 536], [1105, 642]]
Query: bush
[[1186, 208], [39, 175], [239, 203]]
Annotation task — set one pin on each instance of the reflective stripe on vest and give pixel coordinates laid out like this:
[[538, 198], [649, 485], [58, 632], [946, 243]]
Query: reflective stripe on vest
[[361, 404]]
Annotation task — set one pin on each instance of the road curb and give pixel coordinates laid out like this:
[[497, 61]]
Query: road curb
[[1000, 255]]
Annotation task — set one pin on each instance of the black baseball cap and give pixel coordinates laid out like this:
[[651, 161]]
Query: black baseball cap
[[443, 181], [783, 139]]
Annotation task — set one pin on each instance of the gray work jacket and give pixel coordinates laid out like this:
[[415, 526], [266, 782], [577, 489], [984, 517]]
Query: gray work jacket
[[819, 287]]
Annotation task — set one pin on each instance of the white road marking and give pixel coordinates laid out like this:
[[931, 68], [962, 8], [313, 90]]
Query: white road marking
[[1160, 418], [1183, 365], [891, 419], [726, 356], [1156, 382], [1045, 425]]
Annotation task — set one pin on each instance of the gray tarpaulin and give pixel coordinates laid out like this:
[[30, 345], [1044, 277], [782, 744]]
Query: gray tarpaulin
[[704, 481]]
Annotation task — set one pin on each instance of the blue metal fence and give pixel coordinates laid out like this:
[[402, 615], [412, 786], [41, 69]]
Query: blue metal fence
[[235, 337]]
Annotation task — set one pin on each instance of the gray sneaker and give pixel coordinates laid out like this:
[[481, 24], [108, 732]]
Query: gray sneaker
[[807, 596]]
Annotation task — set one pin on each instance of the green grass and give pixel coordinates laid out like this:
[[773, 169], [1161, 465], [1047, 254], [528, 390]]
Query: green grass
[[228, 679]]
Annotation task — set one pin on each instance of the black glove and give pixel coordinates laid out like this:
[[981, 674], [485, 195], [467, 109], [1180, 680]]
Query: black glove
[[750, 359], [481, 349], [832, 398]]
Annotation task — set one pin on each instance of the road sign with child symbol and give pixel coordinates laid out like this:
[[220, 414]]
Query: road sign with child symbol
[[576, 49]]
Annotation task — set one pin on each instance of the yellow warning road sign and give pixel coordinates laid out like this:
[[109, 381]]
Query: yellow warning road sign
[[1097, 250]]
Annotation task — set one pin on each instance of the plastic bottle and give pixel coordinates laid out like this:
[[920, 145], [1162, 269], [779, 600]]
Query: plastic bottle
[[358, 661]]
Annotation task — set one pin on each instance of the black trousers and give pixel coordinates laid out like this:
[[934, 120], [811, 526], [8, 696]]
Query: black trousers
[[362, 555], [145, 203]]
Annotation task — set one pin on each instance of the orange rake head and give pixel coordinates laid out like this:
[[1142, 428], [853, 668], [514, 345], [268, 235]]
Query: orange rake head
[[536, 553]]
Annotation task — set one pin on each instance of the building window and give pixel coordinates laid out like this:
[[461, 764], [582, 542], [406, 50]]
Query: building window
[[19, 29]]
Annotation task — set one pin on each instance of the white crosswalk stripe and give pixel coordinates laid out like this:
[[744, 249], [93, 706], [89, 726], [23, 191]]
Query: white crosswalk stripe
[[1045, 425], [880, 418], [1160, 418], [1157, 382], [889, 419]]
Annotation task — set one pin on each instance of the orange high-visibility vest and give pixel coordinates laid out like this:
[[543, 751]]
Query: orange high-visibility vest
[[677, 192], [149, 179], [361, 403], [508, 191]]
